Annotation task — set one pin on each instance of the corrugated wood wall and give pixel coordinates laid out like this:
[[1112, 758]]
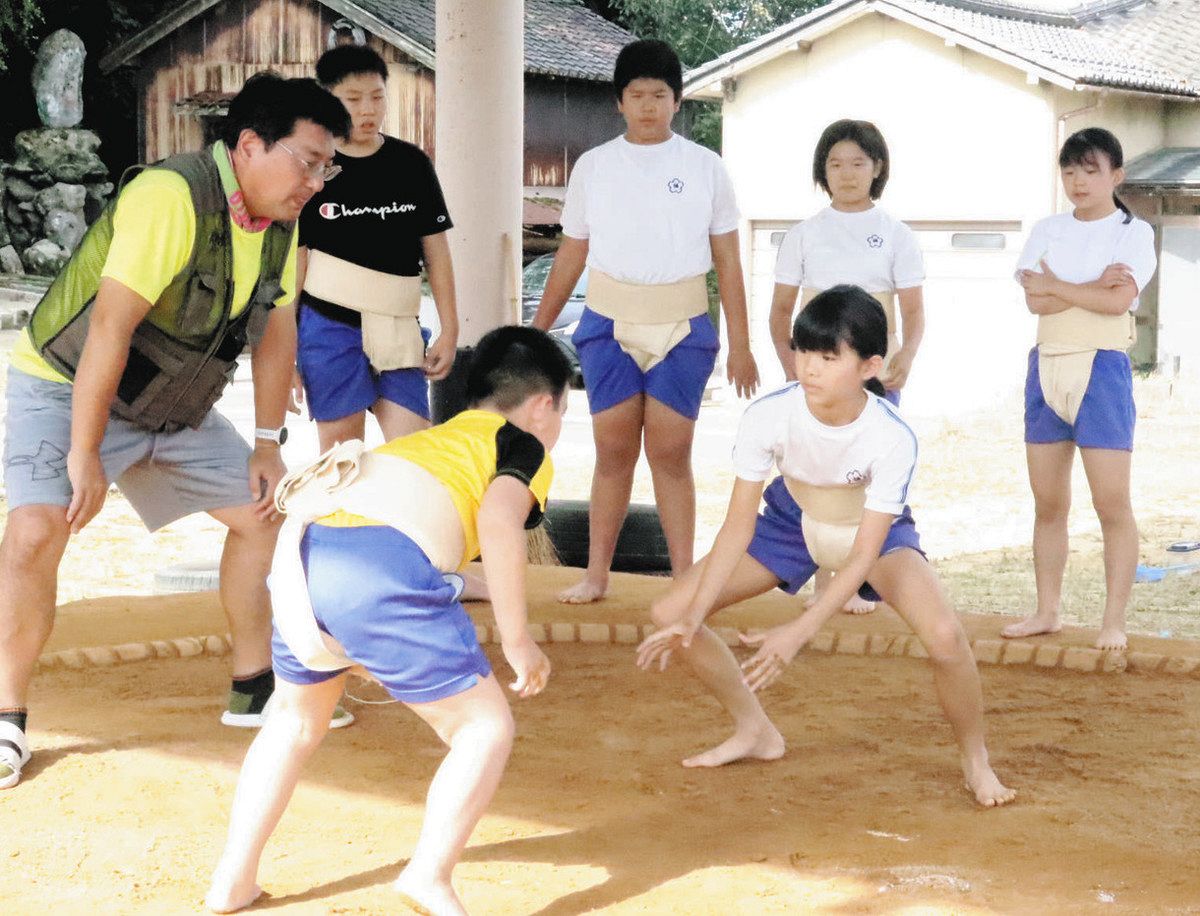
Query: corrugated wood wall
[[218, 50], [563, 119]]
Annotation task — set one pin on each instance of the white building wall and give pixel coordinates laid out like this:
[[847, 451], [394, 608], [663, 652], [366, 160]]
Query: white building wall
[[974, 145], [1182, 123], [972, 148]]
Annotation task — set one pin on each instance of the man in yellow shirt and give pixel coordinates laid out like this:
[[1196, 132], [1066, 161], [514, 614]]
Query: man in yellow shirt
[[115, 377]]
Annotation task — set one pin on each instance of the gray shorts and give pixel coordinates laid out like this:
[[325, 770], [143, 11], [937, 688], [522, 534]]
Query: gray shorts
[[165, 476]]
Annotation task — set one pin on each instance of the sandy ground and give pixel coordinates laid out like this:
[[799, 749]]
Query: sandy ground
[[125, 804], [126, 801]]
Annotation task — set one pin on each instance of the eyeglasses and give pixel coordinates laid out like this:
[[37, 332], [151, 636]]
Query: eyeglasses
[[313, 169]]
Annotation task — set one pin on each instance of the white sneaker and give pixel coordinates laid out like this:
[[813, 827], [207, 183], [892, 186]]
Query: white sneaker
[[14, 754]]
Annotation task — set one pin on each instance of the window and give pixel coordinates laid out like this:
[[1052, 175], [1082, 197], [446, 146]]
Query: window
[[987, 241], [777, 238]]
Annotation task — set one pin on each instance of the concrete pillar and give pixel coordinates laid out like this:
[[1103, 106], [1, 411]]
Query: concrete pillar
[[479, 147]]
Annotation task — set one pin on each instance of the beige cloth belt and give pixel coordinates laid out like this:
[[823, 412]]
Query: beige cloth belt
[[389, 306], [887, 300], [829, 519], [390, 489], [1076, 330], [1067, 345], [649, 320]]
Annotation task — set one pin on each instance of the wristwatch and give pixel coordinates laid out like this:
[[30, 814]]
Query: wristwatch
[[278, 436]]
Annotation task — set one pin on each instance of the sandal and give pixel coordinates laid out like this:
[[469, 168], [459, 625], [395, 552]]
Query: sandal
[[14, 754]]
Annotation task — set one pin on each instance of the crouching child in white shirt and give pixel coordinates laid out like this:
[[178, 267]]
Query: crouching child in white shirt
[[845, 460]]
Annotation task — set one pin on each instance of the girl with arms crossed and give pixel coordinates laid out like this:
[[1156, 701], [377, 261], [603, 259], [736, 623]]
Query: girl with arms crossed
[[1082, 273]]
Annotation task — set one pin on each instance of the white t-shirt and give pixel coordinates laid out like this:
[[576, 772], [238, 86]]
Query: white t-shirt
[[1078, 251], [871, 249], [647, 211], [779, 431]]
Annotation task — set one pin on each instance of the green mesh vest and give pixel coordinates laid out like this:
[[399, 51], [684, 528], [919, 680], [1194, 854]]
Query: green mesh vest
[[184, 352]]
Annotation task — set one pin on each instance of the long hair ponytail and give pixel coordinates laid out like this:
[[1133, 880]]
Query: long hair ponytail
[[1085, 146]]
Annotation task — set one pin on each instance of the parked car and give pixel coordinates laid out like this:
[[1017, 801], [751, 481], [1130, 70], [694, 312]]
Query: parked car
[[533, 283]]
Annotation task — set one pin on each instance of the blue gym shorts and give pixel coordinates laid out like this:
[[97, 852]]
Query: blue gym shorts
[[778, 542], [376, 593], [338, 377], [611, 376], [1106, 415]]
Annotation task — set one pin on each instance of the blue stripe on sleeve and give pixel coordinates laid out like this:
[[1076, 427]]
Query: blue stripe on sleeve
[[891, 412]]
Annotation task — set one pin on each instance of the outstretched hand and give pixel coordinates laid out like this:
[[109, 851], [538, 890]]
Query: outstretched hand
[[530, 665], [659, 645], [776, 649]]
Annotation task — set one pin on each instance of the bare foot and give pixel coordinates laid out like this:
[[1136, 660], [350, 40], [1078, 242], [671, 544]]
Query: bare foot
[[584, 592], [1111, 638], [428, 896], [858, 605], [983, 783], [762, 743], [1031, 626], [855, 605], [229, 897]]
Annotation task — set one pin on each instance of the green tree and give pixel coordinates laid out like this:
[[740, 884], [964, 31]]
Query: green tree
[[18, 19]]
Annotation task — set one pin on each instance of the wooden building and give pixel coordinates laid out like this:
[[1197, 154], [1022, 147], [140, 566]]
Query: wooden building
[[195, 57]]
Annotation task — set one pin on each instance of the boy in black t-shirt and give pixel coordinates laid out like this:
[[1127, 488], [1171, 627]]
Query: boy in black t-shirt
[[363, 241]]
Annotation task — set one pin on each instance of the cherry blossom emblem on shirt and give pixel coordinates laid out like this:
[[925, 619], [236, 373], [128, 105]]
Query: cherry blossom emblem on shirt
[[675, 186], [875, 241]]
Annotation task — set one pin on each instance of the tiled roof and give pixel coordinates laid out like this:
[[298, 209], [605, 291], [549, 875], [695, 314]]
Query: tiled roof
[[1165, 32], [415, 18], [1123, 50], [562, 37], [565, 38], [1150, 46], [1061, 12]]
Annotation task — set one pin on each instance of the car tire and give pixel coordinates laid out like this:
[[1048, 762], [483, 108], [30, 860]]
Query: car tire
[[641, 546]]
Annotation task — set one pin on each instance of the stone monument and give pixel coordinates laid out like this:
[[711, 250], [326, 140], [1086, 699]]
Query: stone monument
[[58, 79], [57, 184]]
